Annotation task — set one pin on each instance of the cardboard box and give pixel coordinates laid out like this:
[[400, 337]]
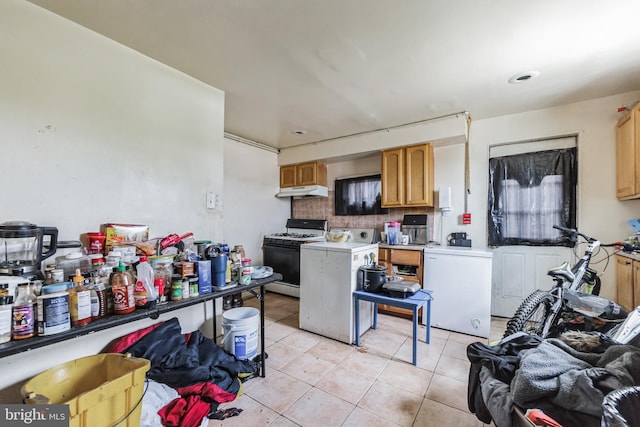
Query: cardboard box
[[203, 269], [185, 268], [119, 234]]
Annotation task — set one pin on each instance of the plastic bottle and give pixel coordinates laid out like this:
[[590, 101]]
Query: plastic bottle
[[122, 289], [79, 301], [144, 292], [6, 302], [98, 300], [52, 309], [23, 313]]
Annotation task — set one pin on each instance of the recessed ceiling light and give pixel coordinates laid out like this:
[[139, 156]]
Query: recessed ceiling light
[[523, 77], [298, 132]]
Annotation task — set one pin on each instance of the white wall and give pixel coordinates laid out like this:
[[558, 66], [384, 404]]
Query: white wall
[[251, 210], [93, 132], [452, 128], [449, 172], [367, 165], [600, 214]]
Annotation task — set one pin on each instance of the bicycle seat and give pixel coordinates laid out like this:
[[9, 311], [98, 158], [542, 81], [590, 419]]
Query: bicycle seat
[[563, 271]]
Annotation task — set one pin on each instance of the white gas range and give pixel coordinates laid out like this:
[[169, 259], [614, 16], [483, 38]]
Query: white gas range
[[281, 251]]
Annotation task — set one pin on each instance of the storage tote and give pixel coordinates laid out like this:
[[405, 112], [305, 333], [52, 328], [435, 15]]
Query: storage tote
[[100, 390]]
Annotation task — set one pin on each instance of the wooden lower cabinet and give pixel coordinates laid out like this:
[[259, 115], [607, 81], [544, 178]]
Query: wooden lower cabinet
[[406, 263], [627, 282]]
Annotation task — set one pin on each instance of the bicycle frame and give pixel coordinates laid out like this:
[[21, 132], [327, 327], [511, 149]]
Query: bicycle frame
[[578, 271], [541, 310], [580, 268]]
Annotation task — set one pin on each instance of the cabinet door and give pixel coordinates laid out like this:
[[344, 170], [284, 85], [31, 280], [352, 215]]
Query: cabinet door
[[383, 255], [624, 282], [288, 176], [636, 284], [306, 174], [625, 158], [392, 178], [419, 175], [386, 265], [636, 145]]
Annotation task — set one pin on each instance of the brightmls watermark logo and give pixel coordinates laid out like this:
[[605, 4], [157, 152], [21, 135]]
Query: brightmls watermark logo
[[34, 415]]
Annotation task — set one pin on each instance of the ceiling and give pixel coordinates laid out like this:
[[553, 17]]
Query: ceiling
[[332, 68]]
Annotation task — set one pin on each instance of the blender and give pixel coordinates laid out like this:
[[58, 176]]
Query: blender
[[21, 248]]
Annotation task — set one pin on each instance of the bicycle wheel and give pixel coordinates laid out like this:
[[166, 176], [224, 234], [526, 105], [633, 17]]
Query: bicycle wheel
[[530, 317]]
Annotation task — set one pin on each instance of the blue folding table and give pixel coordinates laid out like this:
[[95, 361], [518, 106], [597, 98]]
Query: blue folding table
[[414, 303]]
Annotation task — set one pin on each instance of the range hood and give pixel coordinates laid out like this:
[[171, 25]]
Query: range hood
[[303, 191]]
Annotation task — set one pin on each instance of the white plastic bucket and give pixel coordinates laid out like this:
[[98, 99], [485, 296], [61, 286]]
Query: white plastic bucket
[[240, 326]]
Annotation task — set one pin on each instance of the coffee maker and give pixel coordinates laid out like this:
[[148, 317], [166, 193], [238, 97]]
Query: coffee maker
[[23, 248]]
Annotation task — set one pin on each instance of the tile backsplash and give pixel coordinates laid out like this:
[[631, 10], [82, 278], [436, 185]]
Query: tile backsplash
[[323, 208]]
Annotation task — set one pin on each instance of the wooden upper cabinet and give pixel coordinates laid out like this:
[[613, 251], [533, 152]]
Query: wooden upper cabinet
[[628, 155], [392, 178], [288, 176], [419, 175], [310, 173], [407, 176]]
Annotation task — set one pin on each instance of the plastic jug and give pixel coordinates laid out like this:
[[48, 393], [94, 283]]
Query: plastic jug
[[144, 292]]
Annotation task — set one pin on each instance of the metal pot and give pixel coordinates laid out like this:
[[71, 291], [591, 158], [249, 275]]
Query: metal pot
[[371, 278]]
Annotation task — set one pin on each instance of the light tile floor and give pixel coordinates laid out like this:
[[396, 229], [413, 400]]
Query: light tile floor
[[316, 381]]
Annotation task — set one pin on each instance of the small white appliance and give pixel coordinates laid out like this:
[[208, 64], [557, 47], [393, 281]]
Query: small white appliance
[[444, 200], [328, 276], [460, 279], [359, 235]]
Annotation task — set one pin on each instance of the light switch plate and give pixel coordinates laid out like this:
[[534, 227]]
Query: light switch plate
[[211, 200]]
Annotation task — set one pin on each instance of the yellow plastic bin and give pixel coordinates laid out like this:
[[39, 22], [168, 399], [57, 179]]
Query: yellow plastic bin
[[100, 390]]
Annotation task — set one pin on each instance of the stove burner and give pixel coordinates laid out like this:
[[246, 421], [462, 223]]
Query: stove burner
[[295, 235]]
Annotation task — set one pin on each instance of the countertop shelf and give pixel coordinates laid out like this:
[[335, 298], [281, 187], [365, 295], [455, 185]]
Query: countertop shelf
[[631, 255], [404, 247], [19, 346]]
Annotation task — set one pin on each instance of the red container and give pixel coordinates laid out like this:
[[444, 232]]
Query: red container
[[96, 242]]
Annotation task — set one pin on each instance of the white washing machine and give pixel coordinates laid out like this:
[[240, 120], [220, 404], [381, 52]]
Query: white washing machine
[[328, 276]]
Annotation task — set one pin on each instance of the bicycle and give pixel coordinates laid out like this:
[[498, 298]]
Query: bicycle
[[541, 313]]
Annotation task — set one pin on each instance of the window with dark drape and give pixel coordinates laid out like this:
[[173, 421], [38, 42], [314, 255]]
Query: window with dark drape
[[359, 196], [528, 194]]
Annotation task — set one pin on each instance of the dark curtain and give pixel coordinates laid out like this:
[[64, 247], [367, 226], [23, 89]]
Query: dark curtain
[[528, 170]]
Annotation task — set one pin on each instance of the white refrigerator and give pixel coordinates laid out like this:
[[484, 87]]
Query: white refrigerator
[[328, 276], [461, 282]]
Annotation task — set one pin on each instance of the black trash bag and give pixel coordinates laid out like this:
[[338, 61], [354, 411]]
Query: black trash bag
[[621, 408]]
